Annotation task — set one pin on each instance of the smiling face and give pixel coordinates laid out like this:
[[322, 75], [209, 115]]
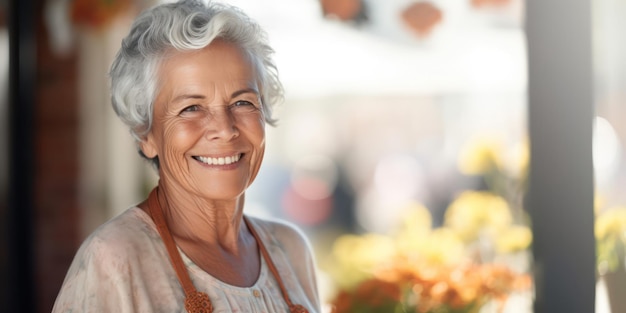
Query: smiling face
[[208, 129]]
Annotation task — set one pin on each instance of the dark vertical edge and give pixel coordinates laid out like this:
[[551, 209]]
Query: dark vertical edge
[[561, 187], [22, 78]]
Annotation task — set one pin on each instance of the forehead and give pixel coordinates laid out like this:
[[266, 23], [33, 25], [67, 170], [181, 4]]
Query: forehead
[[218, 62]]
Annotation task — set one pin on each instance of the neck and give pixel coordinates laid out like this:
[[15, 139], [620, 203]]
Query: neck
[[194, 220]]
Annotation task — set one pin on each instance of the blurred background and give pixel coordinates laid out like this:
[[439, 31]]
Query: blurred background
[[403, 139]]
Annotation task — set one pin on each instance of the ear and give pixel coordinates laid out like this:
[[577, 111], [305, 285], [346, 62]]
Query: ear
[[148, 146]]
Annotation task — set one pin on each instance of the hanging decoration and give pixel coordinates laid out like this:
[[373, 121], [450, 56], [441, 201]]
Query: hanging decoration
[[344, 10], [421, 17], [489, 3], [97, 13]]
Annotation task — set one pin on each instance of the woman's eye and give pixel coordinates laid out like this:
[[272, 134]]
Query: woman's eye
[[243, 103], [244, 106], [191, 108]]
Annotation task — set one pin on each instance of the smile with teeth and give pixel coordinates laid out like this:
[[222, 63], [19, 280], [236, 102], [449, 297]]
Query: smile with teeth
[[219, 161]]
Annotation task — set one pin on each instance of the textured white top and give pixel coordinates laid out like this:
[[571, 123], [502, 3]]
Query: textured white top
[[124, 267]]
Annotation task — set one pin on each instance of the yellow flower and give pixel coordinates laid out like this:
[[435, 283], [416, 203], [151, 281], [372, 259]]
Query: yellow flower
[[611, 223], [519, 158], [357, 256], [514, 239], [443, 246], [414, 229], [416, 219], [415, 237], [480, 154], [474, 212]]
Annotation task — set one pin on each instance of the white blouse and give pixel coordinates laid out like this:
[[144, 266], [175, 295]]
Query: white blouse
[[124, 267]]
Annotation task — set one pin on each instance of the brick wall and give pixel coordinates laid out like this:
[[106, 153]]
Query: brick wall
[[56, 169]]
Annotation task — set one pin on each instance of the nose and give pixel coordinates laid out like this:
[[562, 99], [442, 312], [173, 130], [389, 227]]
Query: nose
[[222, 125]]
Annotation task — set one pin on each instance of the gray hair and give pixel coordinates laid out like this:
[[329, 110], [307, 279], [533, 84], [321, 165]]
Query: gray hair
[[183, 26]]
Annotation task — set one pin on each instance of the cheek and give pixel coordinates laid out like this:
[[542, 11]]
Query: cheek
[[181, 135], [257, 136], [256, 131], [254, 126]]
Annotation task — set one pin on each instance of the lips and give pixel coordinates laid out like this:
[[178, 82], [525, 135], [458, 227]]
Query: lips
[[219, 160]]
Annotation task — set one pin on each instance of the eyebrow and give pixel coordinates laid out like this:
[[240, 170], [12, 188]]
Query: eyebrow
[[197, 96], [186, 96], [242, 91]]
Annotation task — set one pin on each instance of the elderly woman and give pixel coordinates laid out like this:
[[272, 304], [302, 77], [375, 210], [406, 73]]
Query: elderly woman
[[195, 84]]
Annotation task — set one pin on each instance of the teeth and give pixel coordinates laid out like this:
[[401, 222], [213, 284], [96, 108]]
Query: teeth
[[220, 161]]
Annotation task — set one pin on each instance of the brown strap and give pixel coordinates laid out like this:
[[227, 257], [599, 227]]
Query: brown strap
[[196, 301], [269, 261], [157, 215]]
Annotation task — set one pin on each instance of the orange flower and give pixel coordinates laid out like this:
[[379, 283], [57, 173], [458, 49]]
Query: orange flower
[[376, 292], [342, 303], [372, 294], [422, 286]]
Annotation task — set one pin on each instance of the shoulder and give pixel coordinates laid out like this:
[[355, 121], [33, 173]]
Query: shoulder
[[121, 256], [279, 230], [128, 225], [282, 237], [120, 237], [293, 256]]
